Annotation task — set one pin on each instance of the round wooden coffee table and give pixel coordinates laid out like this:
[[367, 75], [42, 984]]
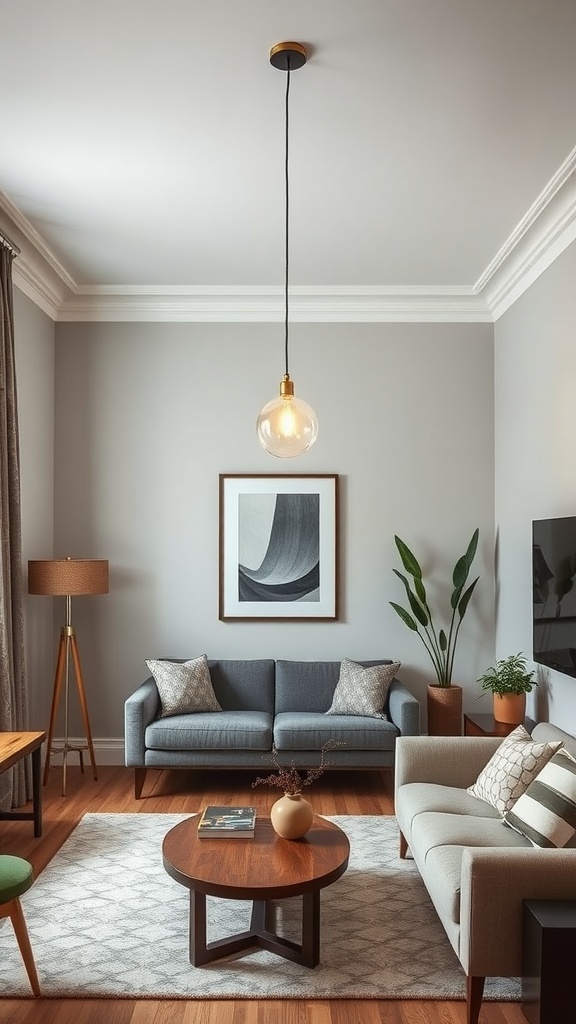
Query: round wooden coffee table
[[261, 869]]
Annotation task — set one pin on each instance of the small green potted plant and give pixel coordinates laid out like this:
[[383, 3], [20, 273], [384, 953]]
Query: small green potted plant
[[444, 698], [508, 681]]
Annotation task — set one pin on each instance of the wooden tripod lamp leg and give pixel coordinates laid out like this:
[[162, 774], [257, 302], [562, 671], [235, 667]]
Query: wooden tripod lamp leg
[[68, 646], [83, 704], [58, 681]]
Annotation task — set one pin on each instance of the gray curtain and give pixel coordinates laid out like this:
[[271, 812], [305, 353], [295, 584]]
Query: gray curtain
[[15, 783]]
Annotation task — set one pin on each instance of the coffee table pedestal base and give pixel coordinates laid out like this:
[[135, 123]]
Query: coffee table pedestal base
[[259, 935]]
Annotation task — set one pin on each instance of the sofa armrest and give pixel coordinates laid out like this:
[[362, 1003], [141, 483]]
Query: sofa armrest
[[444, 760], [494, 883], [140, 709], [403, 709]]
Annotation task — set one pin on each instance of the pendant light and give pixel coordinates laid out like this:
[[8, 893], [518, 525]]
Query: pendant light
[[287, 426]]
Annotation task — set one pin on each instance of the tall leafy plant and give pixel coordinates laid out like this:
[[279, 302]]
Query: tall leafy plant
[[441, 646]]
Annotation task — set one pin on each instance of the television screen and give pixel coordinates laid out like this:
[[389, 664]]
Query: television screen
[[554, 593]]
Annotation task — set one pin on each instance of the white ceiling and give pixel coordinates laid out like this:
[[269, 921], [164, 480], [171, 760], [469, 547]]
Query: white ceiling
[[141, 147]]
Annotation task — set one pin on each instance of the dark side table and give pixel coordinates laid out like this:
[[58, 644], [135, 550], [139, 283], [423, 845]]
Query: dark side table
[[548, 957], [485, 725]]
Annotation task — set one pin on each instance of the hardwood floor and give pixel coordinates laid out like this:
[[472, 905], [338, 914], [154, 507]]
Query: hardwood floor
[[334, 793]]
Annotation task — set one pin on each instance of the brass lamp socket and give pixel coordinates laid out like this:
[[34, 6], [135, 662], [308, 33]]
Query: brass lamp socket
[[286, 387]]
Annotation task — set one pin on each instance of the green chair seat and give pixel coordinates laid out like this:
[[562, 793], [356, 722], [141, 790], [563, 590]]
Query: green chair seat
[[16, 877]]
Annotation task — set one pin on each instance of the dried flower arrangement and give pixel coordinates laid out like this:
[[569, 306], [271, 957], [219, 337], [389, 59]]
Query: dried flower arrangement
[[289, 779]]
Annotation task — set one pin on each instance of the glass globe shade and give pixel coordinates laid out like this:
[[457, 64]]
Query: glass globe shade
[[287, 427]]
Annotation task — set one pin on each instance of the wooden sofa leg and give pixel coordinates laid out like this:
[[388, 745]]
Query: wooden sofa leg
[[139, 779], [474, 993], [403, 847]]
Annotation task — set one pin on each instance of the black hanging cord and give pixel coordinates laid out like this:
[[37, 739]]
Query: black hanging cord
[[287, 205]]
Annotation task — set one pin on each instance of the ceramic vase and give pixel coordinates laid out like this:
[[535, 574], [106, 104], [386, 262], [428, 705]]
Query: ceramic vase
[[291, 816], [509, 708], [444, 710]]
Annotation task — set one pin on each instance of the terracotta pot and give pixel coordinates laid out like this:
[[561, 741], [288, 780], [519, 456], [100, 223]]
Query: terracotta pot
[[444, 710], [291, 816], [509, 707]]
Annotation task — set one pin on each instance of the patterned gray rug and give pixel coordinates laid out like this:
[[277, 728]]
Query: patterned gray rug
[[106, 920]]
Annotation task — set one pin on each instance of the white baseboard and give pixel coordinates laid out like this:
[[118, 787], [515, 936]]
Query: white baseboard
[[106, 751]]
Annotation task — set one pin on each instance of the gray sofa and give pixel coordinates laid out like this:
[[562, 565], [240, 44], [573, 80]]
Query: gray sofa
[[476, 870], [265, 703]]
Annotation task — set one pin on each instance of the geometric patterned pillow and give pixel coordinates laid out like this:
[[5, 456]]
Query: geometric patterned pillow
[[184, 687], [546, 812], [362, 691], [511, 769]]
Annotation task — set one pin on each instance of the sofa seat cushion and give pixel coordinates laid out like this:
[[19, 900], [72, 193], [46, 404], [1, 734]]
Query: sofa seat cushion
[[418, 797], [223, 730], [433, 829], [305, 730]]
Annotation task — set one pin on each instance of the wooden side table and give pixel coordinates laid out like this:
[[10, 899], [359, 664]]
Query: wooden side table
[[485, 725], [13, 747], [548, 953]]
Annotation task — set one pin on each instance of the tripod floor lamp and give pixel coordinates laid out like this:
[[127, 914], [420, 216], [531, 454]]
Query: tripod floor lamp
[[68, 578]]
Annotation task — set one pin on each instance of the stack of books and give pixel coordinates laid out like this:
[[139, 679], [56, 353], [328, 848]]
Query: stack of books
[[227, 823]]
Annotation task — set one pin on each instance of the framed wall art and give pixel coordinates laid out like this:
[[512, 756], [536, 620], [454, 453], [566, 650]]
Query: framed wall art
[[278, 547]]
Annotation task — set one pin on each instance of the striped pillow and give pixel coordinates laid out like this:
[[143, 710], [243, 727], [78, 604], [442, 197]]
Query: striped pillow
[[546, 812]]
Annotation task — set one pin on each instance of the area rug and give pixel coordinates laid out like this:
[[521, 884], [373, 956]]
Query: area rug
[[106, 920]]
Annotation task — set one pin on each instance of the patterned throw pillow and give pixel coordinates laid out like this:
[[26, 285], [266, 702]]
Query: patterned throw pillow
[[546, 812], [511, 769], [362, 691], [184, 687]]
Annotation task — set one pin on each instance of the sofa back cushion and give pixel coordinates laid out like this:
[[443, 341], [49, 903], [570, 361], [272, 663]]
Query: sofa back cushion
[[309, 685], [546, 733], [243, 684]]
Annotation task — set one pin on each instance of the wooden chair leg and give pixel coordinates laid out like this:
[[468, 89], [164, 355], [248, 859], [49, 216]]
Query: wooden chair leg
[[403, 847], [13, 910], [474, 993]]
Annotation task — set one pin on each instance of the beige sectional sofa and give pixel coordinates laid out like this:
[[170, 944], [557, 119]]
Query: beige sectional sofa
[[477, 870]]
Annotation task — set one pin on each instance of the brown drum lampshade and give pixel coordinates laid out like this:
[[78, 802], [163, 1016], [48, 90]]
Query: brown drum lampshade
[[67, 577]]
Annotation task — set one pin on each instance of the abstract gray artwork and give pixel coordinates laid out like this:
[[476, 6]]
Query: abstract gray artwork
[[279, 547]]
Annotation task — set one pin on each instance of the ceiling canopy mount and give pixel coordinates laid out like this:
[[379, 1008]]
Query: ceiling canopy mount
[[288, 56]]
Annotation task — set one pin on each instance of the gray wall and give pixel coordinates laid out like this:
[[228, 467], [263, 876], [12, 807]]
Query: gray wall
[[535, 370], [148, 415]]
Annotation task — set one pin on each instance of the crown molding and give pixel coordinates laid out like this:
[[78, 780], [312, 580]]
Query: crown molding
[[266, 305], [545, 231], [547, 228], [36, 271]]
